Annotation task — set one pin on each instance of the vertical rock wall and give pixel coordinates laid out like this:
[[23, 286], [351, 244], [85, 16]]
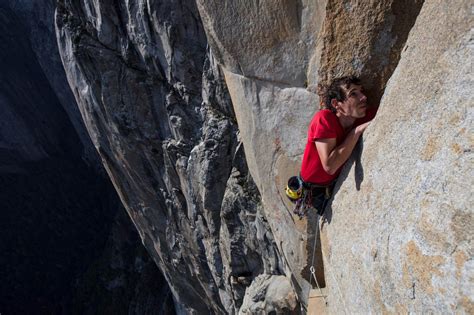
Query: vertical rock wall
[[403, 215], [154, 103], [159, 114], [273, 109], [364, 38], [271, 104]]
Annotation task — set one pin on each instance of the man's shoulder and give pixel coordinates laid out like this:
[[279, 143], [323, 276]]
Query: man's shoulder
[[324, 114], [324, 125], [324, 120], [325, 117]]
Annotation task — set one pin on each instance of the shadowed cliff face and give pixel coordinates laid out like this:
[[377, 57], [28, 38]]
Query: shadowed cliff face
[[60, 216], [155, 105], [37, 24], [28, 101]]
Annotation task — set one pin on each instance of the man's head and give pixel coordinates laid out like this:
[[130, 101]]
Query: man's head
[[345, 97]]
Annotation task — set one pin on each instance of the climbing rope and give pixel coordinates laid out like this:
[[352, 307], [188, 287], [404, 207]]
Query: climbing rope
[[302, 205], [311, 269]]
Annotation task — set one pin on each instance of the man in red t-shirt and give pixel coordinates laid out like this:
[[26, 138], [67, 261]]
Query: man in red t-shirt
[[332, 136]]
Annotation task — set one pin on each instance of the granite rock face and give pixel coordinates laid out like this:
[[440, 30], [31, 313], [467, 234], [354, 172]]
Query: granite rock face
[[273, 112], [365, 39], [271, 41], [149, 79], [403, 217], [155, 104]]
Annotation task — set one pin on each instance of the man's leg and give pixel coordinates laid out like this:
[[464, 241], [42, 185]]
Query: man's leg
[[319, 200]]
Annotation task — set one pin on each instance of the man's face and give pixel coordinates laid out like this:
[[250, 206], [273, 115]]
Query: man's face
[[355, 104]]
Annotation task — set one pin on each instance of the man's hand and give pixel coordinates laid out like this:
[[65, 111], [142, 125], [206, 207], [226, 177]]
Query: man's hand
[[361, 128]]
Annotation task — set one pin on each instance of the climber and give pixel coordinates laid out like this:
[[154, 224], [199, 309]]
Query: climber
[[332, 136]]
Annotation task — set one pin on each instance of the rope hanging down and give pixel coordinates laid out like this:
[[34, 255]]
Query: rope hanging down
[[311, 269]]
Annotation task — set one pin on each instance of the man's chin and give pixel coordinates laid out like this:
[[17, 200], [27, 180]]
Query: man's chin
[[363, 112]]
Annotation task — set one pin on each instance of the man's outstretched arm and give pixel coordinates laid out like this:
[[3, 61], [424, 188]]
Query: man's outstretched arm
[[332, 156]]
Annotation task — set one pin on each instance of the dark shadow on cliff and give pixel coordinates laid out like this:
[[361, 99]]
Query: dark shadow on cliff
[[358, 177], [63, 232], [358, 168]]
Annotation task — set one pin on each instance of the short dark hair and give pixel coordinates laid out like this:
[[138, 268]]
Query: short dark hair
[[335, 90]]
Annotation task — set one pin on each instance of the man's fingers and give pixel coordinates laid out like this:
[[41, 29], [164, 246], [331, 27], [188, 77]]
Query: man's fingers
[[361, 128]]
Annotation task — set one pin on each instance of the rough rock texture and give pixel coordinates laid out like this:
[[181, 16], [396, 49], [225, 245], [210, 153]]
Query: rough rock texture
[[60, 215], [273, 112], [265, 40], [154, 102], [269, 295], [404, 220], [364, 38]]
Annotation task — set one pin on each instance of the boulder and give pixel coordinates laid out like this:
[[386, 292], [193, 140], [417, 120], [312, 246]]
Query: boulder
[[269, 295]]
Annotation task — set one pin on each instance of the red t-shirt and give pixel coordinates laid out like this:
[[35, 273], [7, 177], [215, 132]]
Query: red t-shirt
[[325, 125]]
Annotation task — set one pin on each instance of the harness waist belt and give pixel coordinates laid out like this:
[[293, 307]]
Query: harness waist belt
[[313, 186]]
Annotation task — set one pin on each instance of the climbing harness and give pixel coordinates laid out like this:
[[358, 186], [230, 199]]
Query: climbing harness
[[302, 194], [299, 194], [303, 204]]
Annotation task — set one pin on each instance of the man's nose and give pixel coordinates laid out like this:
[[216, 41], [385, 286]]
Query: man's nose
[[363, 98]]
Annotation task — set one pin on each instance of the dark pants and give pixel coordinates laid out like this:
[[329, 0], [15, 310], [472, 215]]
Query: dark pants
[[320, 197]]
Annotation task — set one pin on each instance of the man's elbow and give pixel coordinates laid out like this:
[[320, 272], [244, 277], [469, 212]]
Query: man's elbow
[[329, 169]]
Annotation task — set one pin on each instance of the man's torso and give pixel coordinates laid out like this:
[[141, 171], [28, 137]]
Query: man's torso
[[325, 125]]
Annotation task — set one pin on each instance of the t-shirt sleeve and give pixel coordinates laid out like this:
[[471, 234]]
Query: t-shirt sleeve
[[323, 126]]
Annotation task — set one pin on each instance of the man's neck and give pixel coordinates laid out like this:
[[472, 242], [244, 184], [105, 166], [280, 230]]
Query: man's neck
[[346, 122]]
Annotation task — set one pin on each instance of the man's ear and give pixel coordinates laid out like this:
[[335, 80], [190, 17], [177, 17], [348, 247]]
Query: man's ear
[[334, 103]]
